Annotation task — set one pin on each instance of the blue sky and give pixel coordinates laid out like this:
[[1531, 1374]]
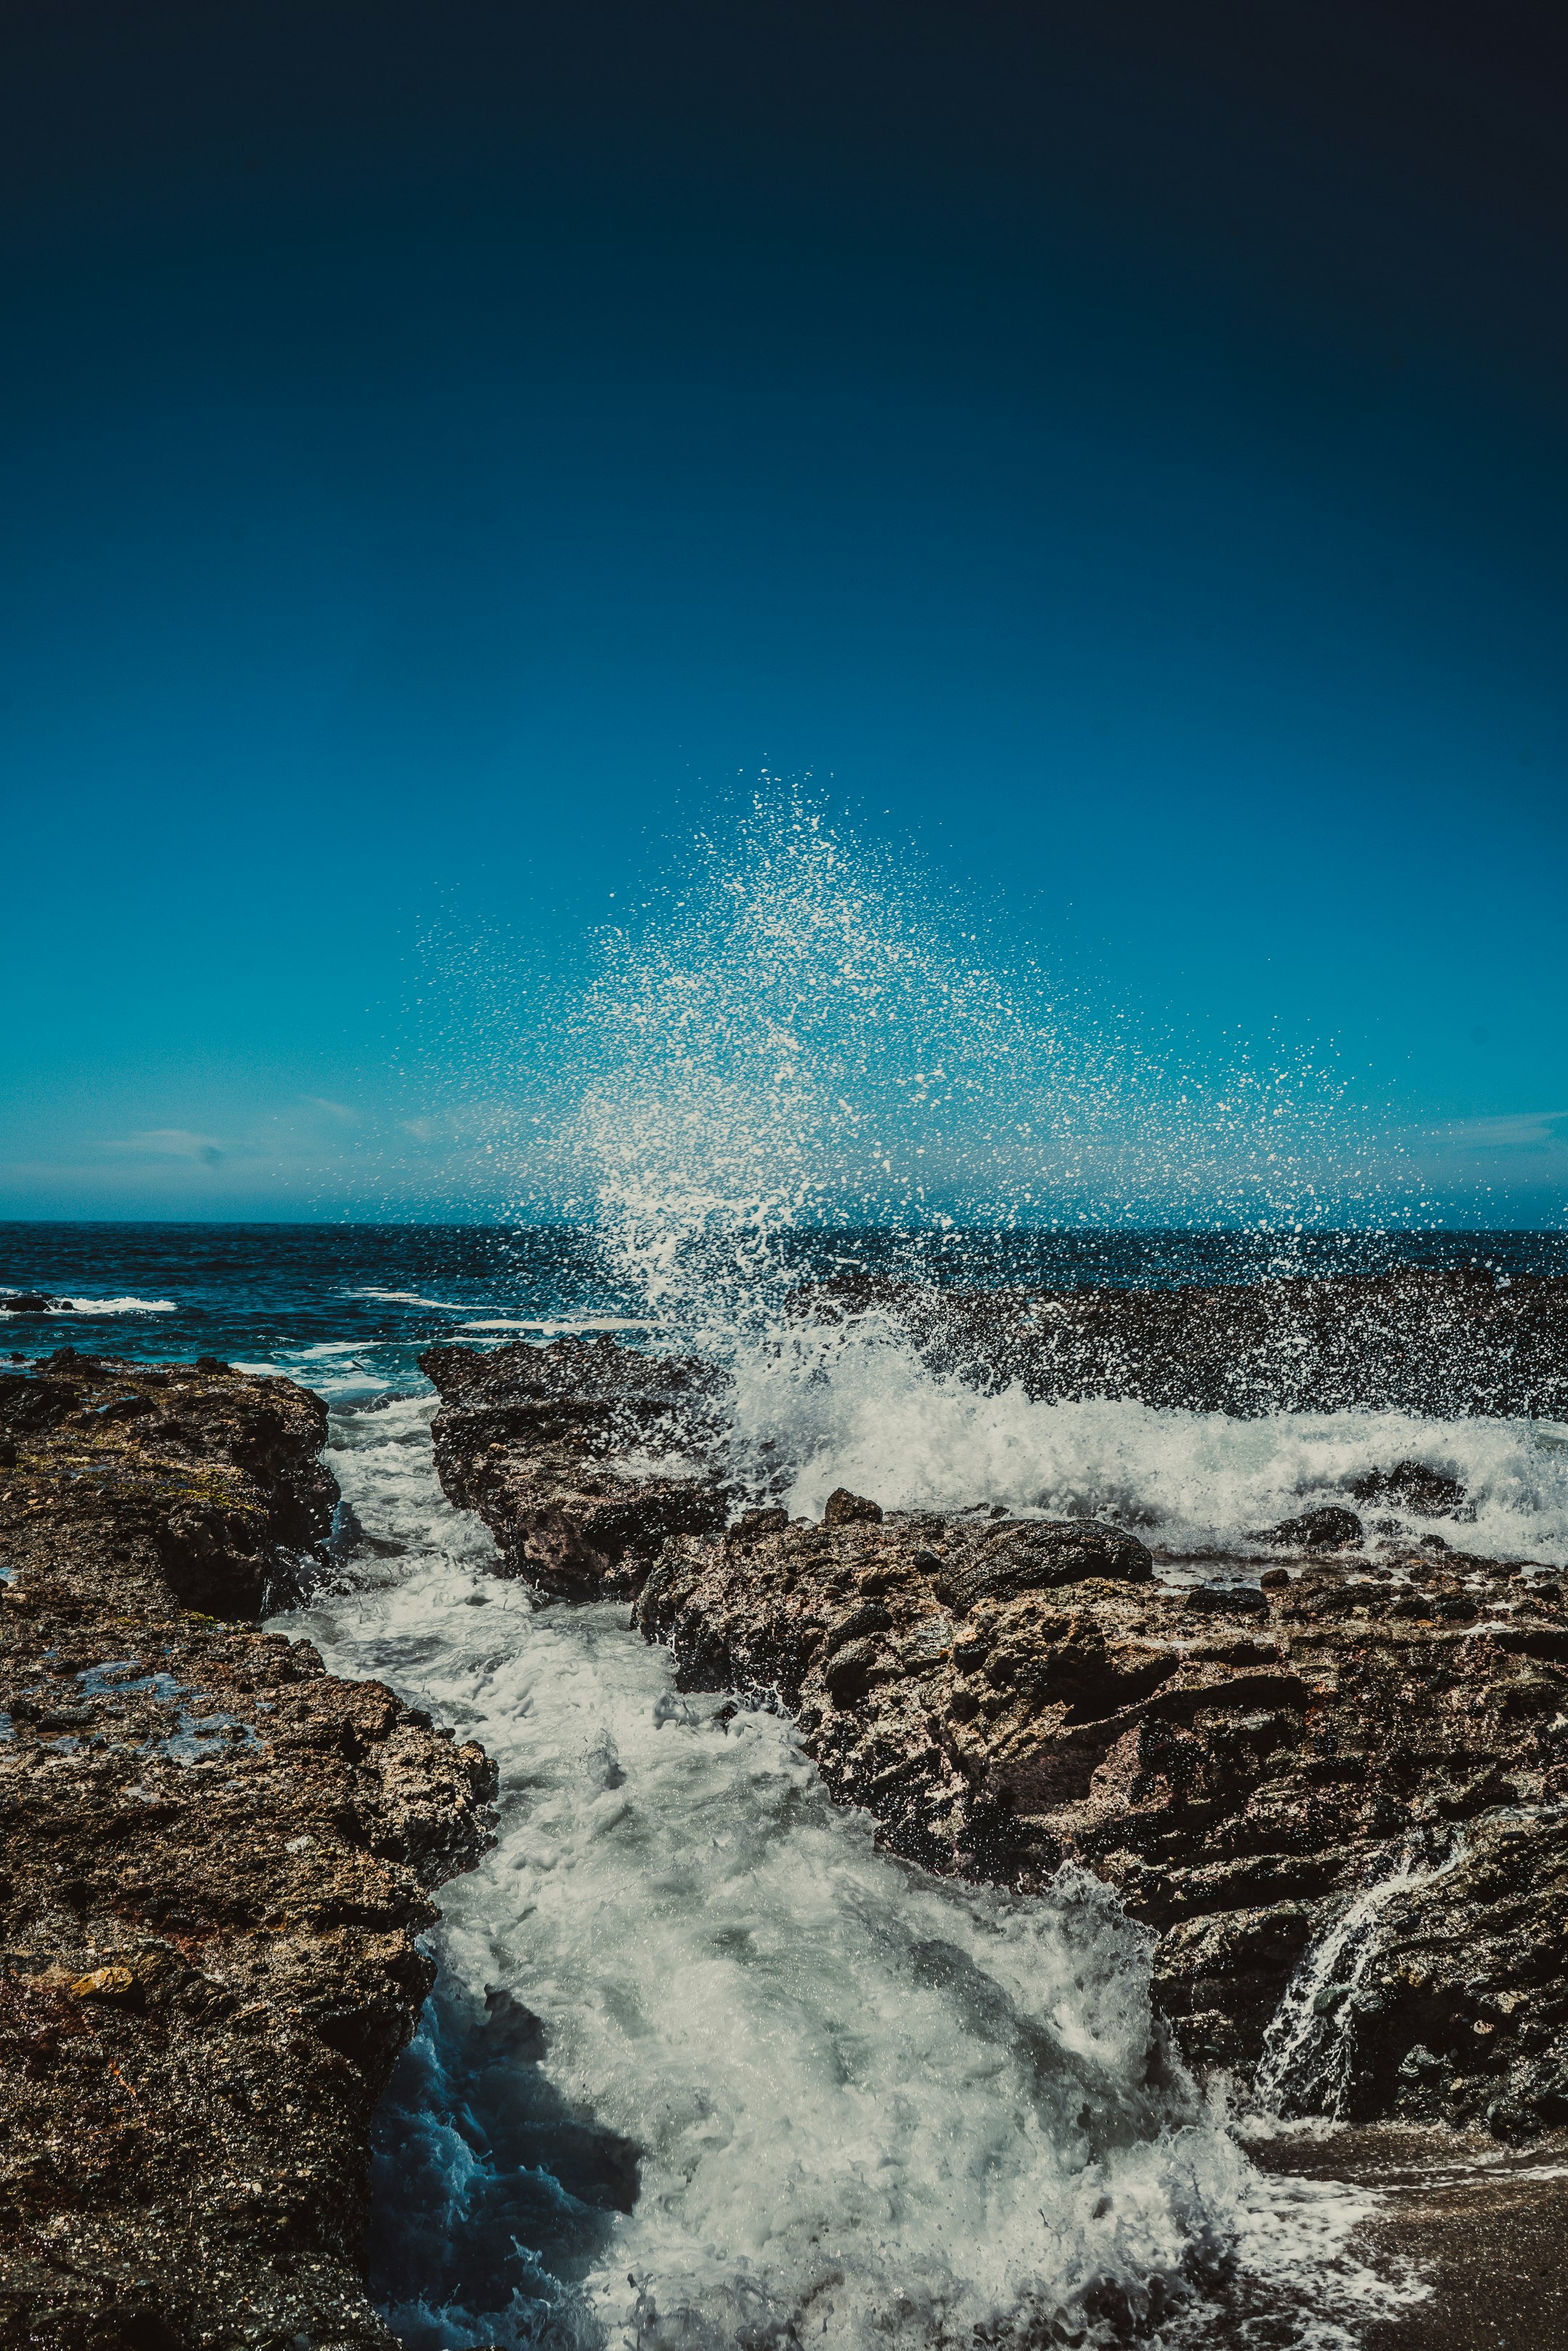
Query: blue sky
[[449, 453]]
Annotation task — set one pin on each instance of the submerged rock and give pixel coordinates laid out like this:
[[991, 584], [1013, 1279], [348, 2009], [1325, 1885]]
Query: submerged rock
[[214, 1863]]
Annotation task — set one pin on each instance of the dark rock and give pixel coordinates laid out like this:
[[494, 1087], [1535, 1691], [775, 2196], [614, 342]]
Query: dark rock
[[200, 2009], [870, 1617], [843, 1508], [753, 1524], [1328, 1528], [25, 1301], [1038, 1554], [1430, 1493], [848, 1673], [534, 1439], [1438, 1343], [1227, 1600]]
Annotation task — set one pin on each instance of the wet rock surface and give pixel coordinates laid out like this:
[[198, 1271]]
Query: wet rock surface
[[214, 1861], [560, 1450], [1242, 1765], [1417, 1340], [1356, 1764]]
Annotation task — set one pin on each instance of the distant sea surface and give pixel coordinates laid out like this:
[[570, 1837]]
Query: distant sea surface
[[348, 1308]]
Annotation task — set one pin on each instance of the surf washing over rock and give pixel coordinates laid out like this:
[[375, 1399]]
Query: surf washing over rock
[[705, 2066]]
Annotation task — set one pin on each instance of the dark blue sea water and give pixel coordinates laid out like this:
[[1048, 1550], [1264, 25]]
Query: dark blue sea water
[[344, 1308]]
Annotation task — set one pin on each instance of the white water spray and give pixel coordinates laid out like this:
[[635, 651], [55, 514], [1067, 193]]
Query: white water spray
[[1309, 2051]]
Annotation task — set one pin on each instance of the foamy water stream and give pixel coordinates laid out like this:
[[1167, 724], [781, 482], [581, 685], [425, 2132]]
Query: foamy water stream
[[704, 2068]]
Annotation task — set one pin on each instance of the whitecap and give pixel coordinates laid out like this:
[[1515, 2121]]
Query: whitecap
[[564, 1325], [109, 1305]]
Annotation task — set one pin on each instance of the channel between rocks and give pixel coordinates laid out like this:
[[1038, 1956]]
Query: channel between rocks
[[1239, 1748]]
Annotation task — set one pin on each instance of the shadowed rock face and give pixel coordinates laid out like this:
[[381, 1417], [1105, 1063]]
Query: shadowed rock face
[[1444, 1344], [214, 1861], [554, 1448]]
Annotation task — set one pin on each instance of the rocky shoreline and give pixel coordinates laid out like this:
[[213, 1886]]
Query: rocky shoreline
[[1361, 1753], [1342, 1767], [216, 1861]]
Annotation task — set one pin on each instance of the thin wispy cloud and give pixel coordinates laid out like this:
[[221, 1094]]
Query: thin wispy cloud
[[171, 1143]]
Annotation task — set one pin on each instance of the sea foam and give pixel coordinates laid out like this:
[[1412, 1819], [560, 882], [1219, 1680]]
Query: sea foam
[[864, 2106]]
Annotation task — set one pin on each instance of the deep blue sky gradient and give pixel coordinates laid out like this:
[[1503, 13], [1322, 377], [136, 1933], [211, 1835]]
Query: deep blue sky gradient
[[446, 450]]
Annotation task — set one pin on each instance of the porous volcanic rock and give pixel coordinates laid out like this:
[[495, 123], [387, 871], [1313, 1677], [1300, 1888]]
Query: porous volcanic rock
[[1437, 1343], [553, 1446], [214, 1862], [1240, 1764]]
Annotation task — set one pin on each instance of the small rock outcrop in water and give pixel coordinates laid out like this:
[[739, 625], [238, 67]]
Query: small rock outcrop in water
[[1328, 1528], [1339, 1796], [542, 1443], [214, 1863], [1414, 1486]]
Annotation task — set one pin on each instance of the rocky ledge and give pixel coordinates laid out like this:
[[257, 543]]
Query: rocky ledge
[[563, 1452], [1358, 1761], [214, 1859], [1422, 1340]]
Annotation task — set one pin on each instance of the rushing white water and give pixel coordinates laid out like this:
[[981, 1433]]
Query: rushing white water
[[858, 1407], [705, 2068], [1306, 2062]]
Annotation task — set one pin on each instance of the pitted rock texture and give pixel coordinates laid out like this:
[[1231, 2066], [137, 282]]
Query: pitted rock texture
[[1243, 1760], [1418, 1341], [214, 1861], [1238, 1763], [554, 1448]]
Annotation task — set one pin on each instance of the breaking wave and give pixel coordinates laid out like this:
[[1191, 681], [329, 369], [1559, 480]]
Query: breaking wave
[[706, 2067], [821, 1408]]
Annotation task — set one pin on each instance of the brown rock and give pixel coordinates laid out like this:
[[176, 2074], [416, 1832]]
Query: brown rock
[[843, 1508], [1237, 1769], [214, 1864], [535, 1439]]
